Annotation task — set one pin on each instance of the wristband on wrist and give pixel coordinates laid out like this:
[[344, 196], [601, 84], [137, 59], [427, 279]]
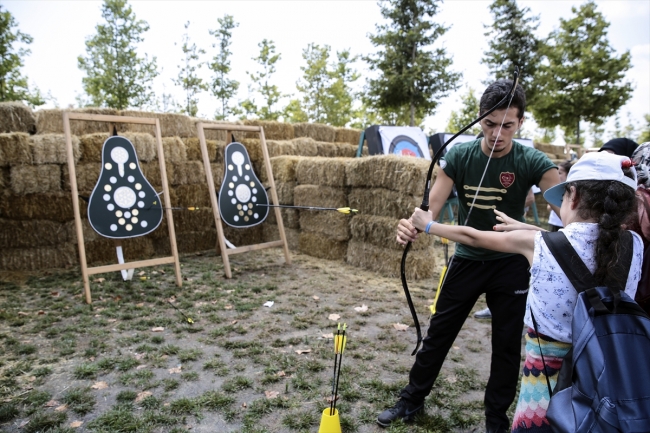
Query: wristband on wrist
[[426, 230]]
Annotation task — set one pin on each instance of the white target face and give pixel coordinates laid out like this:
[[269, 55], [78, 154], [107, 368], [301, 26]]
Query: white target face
[[243, 193], [124, 197], [119, 155]]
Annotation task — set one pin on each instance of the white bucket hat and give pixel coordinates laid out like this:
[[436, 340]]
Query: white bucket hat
[[593, 166]]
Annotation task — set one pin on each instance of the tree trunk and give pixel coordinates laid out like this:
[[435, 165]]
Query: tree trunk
[[578, 133], [412, 117]]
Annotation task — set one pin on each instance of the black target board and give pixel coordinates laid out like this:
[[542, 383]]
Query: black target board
[[123, 203], [242, 198]]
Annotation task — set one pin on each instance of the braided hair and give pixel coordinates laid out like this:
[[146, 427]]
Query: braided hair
[[611, 204]]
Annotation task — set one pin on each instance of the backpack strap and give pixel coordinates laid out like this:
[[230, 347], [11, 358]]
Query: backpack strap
[[578, 273]]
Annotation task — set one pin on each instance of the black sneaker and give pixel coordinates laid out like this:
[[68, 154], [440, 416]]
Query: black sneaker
[[403, 410]]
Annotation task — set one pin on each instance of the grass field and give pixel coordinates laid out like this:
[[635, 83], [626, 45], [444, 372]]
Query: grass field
[[132, 362]]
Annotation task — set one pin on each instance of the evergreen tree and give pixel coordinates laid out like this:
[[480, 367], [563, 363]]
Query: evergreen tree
[[580, 76], [467, 113], [314, 82], [222, 87], [261, 84], [340, 96], [13, 85], [116, 76], [512, 42], [187, 78], [411, 73]]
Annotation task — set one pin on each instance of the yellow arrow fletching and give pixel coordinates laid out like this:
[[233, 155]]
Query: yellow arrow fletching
[[346, 210]]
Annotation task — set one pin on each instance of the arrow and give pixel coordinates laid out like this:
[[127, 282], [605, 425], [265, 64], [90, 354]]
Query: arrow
[[344, 210], [188, 319], [339, 346], [443, 274]]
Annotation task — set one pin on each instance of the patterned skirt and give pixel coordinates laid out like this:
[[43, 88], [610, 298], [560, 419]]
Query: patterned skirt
[[530, 415]]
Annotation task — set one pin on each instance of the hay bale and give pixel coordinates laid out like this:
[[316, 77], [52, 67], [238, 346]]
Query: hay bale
[[187, 173], [87, 176], [51, 149], [171, 124], [316, 131], [218, 171], [397, 173], [50, 206], [321, 246], [335, 150], [89, 233], [322, 171], [191, 242], [419, 264], [284, 168], [271, 233], [31, 179], [33, 259], [303, 146], [30, 234], [290, 218], [248, 236], [192, 196], [5, 179], [381, 231], [322, 196], [334, 225], [151, 171], [103, 250], [51, 121], [193, 221], [193, 146], [15, 149], [91, 146], [272, 130], [174, 149], [145, 145], [17, 117], [549, 148], [285, 192], [382, 202], [348, 135], [220, 135]]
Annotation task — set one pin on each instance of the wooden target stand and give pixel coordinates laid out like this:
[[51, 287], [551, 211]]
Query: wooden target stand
[[85, 270], [225, 252]]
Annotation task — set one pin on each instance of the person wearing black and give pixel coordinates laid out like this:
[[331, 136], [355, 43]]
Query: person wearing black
[[510, 170]]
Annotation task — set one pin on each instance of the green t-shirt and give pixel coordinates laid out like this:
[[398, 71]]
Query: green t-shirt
[[505, 187]]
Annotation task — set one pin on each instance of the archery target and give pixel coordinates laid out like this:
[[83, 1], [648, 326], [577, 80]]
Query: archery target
[[404, 141]]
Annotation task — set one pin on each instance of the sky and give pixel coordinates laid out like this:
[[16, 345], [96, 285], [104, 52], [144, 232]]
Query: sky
[[60, 29]]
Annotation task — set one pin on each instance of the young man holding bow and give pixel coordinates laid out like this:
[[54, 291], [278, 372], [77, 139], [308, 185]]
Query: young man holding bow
[[491, 172]]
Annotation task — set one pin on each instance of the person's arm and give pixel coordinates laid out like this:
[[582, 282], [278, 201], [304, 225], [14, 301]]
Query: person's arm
[[518, 242], [530, 198], [549, 179], [438, 195], [510, 224]]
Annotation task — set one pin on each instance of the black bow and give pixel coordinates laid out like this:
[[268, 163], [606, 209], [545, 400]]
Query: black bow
[[425, 203]]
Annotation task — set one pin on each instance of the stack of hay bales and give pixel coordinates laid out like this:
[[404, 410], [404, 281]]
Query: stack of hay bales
[[555, 153], [385, 189]]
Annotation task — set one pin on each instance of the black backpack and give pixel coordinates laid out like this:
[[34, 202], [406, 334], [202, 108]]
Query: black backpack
[[604, 382]]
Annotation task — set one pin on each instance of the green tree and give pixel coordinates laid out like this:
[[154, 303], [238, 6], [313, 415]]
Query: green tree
[[13, 85], [580, 77], [221, 86], [261, 84], [411, 73], [116, 76], [467, 113], [187, 77], [340, 96], [325, 87], [314, 82], [512, 42]]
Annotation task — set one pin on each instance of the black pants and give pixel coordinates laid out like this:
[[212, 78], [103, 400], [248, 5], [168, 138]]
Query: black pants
[[505, 283]]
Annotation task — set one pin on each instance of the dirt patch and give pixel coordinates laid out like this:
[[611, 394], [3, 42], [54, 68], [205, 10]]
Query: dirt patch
[[132, 362]]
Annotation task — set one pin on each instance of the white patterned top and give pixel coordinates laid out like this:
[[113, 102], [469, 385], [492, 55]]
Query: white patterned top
[[552, 296]]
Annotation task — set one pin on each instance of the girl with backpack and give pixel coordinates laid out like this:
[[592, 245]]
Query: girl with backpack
[[596, 199]]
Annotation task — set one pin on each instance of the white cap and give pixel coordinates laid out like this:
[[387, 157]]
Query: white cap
[[593, 166]]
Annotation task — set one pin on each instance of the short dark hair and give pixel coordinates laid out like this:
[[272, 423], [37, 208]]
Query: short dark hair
[[496, 91]]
